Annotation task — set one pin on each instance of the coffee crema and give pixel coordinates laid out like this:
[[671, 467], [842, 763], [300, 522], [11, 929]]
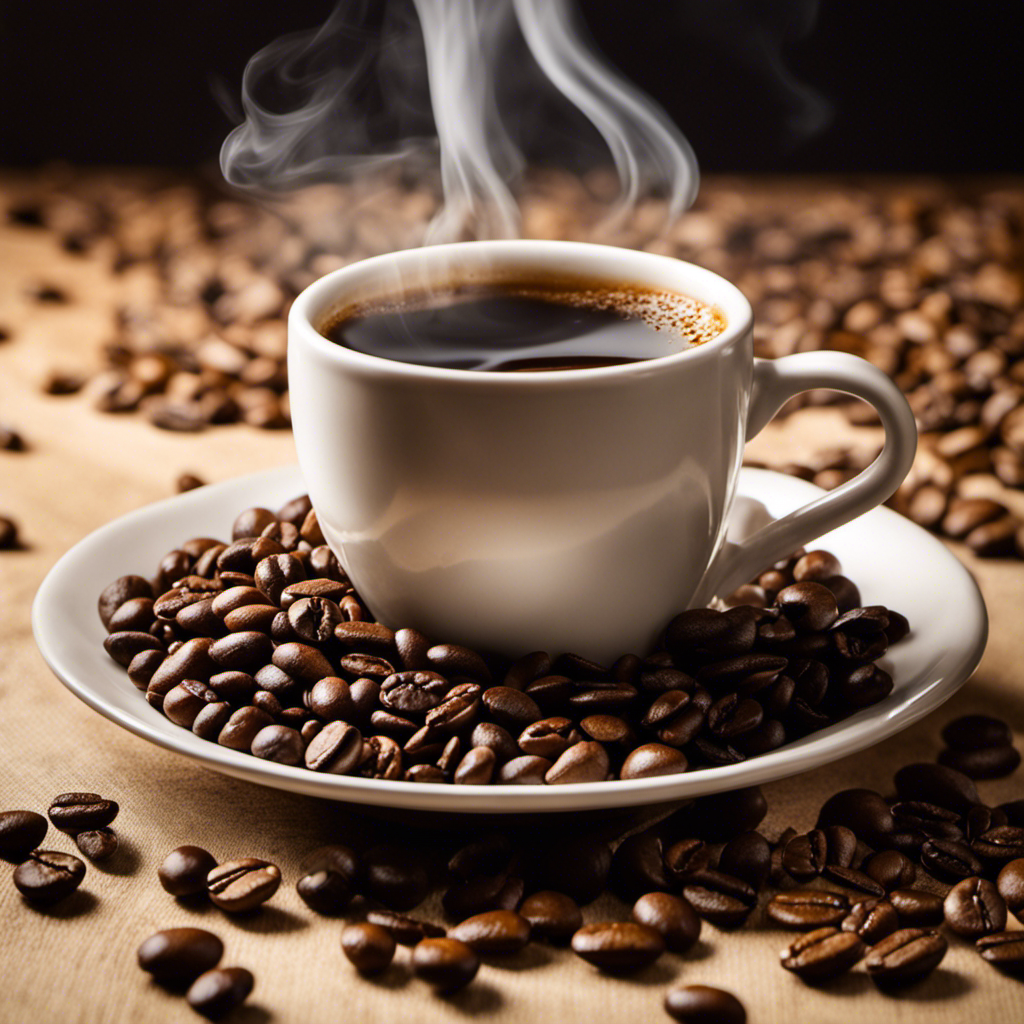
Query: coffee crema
[[521, 326]]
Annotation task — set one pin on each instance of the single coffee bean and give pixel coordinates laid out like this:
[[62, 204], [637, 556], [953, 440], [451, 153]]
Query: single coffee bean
[[242, 728], [976, 732], [553, 916], [251, 523], [872, 920], [933, 821], [238, 886], [177, 956], [863, 811], [822, 954], [671, 916], [493, 933], [808, 605], [453, 660], [279, 743], [949, 860], [748, 856], [974, 908], [1004, 950], [46, 876], [917, 908], [585, 761], [702, 1004], [80, 812], [686, 858], [721, 909], [702, 635], [121, 590], [369, 947], [618, 947], [500, 740], [20, 833], [336, 749], [216, 993], [184, 870], [1010, 883], [979, 820], [804, 856], [97, 844], [937, 784], [407, 931], [986, 763], [891, 869], [476, 768], [396, 876], [905, 956], [445, 963], [652, 759], [807, 909]]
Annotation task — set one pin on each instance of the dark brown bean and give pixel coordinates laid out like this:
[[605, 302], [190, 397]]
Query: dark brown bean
[[396, 876], [973, 907], [863, 811], [184, 871], [748, 857], [48, 876], [949, 860], [278, 743], [528, 770], [20, 833], [337, 749], [493, 933], [618, 947], [369, 947], [585, 761], [917, 908], [934, 783], [121, 590], [905, 956], [445, 963], [891, 869], [806, 909], [822, 954], [671, 916], [239, 886], [97, 844], [985, 763], [553, 916], [872, 920], [242, 728], [177, 956], [329, 878], [702, 1004], [804, 855], [407, 931], [216, 993], [974, 732], [652, 759], [72, 813], [1004, 950]]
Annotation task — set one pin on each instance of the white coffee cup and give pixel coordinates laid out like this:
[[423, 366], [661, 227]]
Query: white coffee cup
[[566, 510]]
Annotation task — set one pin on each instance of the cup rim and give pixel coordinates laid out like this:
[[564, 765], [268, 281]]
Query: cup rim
[[317, 297]]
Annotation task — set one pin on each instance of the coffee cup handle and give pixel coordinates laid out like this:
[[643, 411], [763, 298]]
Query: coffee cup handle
[[775, 381]]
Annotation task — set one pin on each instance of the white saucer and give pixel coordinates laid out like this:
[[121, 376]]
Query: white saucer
[[893, 562]]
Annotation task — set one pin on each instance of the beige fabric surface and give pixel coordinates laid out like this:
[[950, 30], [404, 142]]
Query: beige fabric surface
[[76, 962]]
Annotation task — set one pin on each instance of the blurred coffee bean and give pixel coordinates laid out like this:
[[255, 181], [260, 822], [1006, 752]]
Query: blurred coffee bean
[[444, 963], [993, 762], [553, 916], [1004, 950], [216, 993], [20, 833], [369, 947], [702, 1004]]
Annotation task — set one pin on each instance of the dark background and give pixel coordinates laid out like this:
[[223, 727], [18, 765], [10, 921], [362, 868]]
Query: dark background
[[910, 86]]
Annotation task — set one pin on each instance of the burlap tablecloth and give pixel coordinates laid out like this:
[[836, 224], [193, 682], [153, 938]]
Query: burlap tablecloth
[[76, 962]]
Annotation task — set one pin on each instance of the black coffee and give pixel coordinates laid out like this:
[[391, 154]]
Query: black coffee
[[520, 327]]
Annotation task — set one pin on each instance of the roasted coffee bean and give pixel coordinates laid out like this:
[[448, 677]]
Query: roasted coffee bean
[[976, 732], [407, 931], [549, 737], [121, 590], [445, 963], [905, 956], [488, 855], [458, 710], [934, 821], [577, 865], [978, 820], [313, 619], [610, 730], [618, 947], [686, 858], [671, 916], [510, 708], [585, 761], [337, 749], [381, 759], [330, 590], [748, 857], [238, 886], [805, 909], [413, 692], [528, 770], [937, 784], [277, 571], [396, 876], [652, 759], [863, 811], [143, 666], [177, 956], [244, 651], [1004, 950], [20, 833], [242, 728], [917, 908], [133, 616], [804, 855], [97, 844], [721, 909], [331, 699], [872, 920], [184, 871], [702, 635], [841, 844], [553, 916], [182, 703], [816, 566], [124, 646], [302, 662], [822, 954], [891, 869], [295, 511], [369, 947], [278, 743], [808, 605], [251, 523], [949, 860], [47, 876], [986, 763], [487, 734], [1011, 887], [476, 768], [493, 933], [72, 813], [850, 878], [974, 908], [453, 660], [424, 773], [216, 993], [702, 1004], [482, 893]]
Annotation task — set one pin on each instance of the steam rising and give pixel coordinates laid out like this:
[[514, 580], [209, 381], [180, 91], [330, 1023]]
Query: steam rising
[[419, 85]]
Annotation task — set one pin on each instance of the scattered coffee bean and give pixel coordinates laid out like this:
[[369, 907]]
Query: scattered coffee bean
[[949, 860], [444, 963], [702, 1004], [863, 811], [369, 947], [891, 869], [239, 886], [216, 993], [872, 920], [807, 909], [20, 833], [553, 916], [184, 871], [493, 933], [8, 534], [177, 956], [618, 947], [47, 876], [748, 857], [97, 844], [974, 908], [917, 908], [407, 931], [822, 954], [1010, 884], [671, 916], [905, 957], [81, 812], [1004, 950]]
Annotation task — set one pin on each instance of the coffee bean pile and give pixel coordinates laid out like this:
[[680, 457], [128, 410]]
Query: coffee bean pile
[[262, 645]]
